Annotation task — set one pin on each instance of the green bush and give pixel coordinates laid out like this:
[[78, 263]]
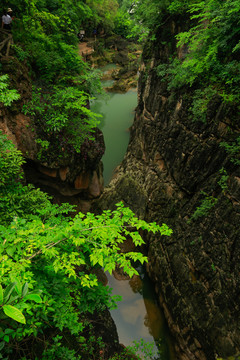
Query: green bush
[[63, 111], [233, 150], [7, 96], [43, 249], [206, 205]]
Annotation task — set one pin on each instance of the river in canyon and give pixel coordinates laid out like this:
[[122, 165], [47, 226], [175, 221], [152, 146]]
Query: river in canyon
[[137, 315], [118, 113]]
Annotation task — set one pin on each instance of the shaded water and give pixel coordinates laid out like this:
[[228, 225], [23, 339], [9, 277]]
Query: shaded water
[[118, 114], [137, 315]]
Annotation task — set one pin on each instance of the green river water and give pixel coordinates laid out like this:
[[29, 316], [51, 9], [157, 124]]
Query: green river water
[[137, 316], [118, 113]]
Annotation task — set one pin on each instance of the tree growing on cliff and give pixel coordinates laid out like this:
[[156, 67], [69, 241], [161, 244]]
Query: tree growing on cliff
[[63, 116]]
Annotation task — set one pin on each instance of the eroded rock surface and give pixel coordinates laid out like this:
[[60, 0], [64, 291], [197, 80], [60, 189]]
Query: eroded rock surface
[[170, 162]]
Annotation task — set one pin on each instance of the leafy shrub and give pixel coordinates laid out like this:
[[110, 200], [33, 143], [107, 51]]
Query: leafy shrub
[[51, 252], [7, 96], [206, 205], [201, 99], [58, 352], [122, 23], [64, 112], [18, 200], [223, 179], [233, 150], [213, 50], [210, 62], [11, 161], [140, 350]]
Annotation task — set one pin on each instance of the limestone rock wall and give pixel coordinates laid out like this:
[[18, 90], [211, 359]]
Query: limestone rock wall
[[170, 162]]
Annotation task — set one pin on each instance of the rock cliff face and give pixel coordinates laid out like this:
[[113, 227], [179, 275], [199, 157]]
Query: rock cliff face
[[66, 175], [170, 162]]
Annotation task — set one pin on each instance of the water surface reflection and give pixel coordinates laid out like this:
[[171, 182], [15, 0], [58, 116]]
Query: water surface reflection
[[118, 114], [138, 315]]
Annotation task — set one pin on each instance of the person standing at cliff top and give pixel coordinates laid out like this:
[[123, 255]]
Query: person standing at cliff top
[[7, 20]]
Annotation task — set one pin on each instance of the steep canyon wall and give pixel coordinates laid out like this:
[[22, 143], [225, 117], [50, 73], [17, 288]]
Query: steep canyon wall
[[172, 166]]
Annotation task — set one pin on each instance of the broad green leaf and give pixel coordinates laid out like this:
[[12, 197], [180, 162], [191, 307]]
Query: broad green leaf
[[25, 289], [7, 292], [100, 260], [6, 338], [18, 287], [37, 291], [10, 250], [12, 299], [14, 313], [33, 297]]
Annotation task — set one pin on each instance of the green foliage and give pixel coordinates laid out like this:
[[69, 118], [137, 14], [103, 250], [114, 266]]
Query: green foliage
[[140, 350], [64, 113], [139, 19], [179, 6], [42, 248], [206, 205], [45, 36], [223, 180], [123, 24], [134, 19], [145, 349], [12, 302], [44, 145], [7, 96], [92, 345], [18, 200], [162, 70], [211, 52], [11, 161], [58, 352], [91, 83], [15, 294], [233, 150], [50, 253], [213, 267], [46, 31], [104, 12], [201, 99], [213, 49], [20, 53]]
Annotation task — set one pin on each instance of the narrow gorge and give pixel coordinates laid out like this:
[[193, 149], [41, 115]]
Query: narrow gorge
[[181, 168]]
